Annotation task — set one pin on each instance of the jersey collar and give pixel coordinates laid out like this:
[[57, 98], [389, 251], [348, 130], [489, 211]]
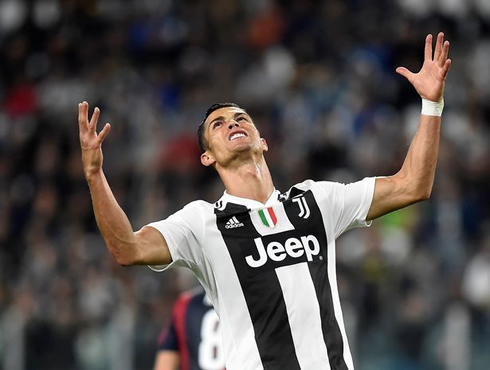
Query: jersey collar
[[250, 203]]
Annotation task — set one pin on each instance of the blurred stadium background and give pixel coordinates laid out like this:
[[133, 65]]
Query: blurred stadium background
[[318, 77]]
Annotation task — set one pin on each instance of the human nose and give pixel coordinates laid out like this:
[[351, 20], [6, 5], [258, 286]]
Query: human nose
[[232, 124]]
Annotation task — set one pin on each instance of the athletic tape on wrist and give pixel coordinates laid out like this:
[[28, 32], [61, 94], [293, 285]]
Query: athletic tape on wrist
[[432, 108]]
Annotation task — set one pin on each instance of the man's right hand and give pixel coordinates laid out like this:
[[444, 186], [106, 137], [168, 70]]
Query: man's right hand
[[90, 141], [144, 247]]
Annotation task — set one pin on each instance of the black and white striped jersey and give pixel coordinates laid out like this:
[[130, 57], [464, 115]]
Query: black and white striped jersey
[[270, 271]]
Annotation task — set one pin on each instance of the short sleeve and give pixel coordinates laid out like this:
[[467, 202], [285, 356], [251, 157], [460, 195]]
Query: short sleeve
[[181, 231], [168, 340], [350, 203]]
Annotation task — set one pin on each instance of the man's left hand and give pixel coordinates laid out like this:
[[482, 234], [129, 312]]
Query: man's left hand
[[429, 81]]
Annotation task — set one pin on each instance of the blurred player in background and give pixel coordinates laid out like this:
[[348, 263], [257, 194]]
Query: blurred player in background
[[192, 340], [267, 258]]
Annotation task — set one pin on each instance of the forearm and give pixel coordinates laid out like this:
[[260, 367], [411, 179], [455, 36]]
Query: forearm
[[414, 181], [112, 221], [418, 169]]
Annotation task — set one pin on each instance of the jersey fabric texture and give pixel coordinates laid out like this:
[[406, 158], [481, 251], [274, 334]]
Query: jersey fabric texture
[[194, 333], [270, 272]]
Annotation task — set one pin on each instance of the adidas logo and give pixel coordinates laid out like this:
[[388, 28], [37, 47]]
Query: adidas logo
[[233, 223]]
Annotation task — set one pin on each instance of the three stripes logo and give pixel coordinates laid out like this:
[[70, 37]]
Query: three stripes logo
[[268, 217], [233, 223], [304, 210]]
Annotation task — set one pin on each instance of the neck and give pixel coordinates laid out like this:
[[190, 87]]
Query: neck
[[251, 180]]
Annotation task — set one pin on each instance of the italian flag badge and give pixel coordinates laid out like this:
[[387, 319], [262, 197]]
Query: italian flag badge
[[268, 217]]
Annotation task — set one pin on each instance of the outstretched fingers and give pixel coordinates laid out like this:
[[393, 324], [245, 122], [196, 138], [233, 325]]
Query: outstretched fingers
[[445, 52], [442, 57], [441, 53], [405, 73], [94, 119], [438, 49], [445, 68], [104, 132], [82, 116], [88, 127], [428, 48]]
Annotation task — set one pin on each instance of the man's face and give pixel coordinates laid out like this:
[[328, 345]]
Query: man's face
[[229, 132]]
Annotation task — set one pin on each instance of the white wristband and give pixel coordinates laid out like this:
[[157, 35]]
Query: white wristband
[[432, 108]]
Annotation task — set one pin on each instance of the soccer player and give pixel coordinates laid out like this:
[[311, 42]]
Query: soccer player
[[192, 341], [267, 258]]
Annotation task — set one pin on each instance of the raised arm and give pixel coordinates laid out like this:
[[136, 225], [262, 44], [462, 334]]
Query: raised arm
[[144, 247], [414, 181]]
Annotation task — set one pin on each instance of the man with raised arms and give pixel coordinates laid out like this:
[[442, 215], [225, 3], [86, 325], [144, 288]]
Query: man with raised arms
[[267, 258]]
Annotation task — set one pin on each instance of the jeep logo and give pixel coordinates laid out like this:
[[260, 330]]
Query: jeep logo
[[293, 247]]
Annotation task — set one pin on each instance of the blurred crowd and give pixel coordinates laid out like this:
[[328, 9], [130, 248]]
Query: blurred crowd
[[318, 78]]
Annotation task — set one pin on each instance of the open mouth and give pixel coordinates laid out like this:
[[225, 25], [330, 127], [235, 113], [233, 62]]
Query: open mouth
[[237, 135]]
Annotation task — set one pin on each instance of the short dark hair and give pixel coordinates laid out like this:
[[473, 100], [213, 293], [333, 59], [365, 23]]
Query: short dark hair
[[203, 145]]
